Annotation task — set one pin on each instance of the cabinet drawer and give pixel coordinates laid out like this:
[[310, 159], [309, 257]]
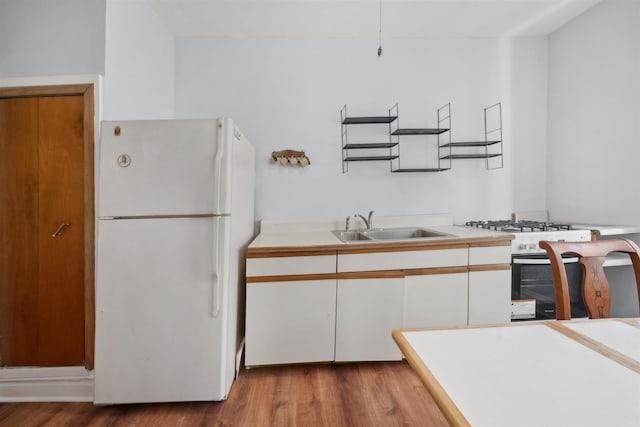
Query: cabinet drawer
[[482, 255], [402, 260], [282, 266]]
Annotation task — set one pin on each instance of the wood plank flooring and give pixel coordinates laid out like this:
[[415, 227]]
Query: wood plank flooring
[[353, 394]]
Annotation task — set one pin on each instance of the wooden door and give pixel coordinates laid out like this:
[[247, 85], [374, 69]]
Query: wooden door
[[43, 211], [18, 220]]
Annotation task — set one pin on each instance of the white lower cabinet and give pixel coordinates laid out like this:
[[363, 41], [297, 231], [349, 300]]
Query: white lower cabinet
[[290, 322], [323, 306], [435, 300], [489, 297], [368, 310]]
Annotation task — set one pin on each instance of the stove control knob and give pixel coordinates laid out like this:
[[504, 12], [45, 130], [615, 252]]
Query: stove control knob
[[522, 246], [532, 245]]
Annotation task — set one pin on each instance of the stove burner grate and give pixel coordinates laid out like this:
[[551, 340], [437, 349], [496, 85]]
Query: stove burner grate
[[522, 226]]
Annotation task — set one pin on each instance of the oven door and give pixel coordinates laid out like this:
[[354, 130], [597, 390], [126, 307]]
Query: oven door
[[532, 279]]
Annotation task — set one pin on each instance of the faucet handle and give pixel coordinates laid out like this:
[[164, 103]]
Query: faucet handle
[[346, 224]]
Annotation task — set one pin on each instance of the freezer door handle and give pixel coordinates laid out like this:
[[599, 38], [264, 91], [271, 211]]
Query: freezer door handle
[[215, 303], [217, 164]]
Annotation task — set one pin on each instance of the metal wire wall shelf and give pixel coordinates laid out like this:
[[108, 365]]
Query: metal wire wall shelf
[[389, 150], [441, 132], [384, 151], [490, 148]]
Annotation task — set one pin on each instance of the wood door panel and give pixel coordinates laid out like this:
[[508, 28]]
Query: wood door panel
[[46, 179], [61, 201], [18, 231]]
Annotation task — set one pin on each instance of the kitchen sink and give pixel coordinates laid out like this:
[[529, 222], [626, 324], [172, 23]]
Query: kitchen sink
[[350, 236], [402, 233], [388, 234]]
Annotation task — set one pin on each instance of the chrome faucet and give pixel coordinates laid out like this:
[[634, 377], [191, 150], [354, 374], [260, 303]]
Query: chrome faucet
[[346, 224], [367, 221]]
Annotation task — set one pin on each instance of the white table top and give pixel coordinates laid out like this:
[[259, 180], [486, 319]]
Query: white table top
[[573, 373], [615, 335]]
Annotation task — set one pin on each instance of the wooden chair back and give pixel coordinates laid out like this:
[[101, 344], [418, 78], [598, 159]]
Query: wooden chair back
[[595, 288]]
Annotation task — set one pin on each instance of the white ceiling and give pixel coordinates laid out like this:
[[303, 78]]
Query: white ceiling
[[361, 18]]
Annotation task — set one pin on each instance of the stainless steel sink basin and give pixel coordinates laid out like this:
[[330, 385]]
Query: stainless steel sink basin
[[388, 234], [350, 236], [402, 233]]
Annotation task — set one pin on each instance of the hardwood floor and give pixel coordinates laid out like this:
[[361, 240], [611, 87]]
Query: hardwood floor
[[354, 394]]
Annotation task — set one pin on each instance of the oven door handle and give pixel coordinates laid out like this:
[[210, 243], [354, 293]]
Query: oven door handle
[[542, 261]]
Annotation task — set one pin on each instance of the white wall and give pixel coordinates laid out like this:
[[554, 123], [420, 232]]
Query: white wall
[[139, 65], [124, 40], [287, 93], [594, 116], [528, 121], [42, 37]]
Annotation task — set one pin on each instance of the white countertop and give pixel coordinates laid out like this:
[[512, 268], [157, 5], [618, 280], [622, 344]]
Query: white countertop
[[318, 233], [609, 230], [612, 231], [294, 238]]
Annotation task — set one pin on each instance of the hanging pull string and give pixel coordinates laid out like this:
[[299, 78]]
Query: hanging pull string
[[380, 32]]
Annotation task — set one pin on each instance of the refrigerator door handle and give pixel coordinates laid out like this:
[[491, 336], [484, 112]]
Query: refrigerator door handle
[[217, 164], [215, 297]]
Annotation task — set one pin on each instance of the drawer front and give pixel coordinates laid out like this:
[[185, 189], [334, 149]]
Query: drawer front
[[283, 266], [482, 255], [402, 260]]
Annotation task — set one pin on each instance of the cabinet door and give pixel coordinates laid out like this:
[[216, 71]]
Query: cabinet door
[[367, 311], [435, 300], [290, 322], [490, 296]]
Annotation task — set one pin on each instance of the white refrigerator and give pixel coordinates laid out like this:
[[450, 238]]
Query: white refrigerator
[[175, 215]]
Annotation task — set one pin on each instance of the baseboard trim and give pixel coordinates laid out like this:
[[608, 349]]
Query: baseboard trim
[[63, 384]]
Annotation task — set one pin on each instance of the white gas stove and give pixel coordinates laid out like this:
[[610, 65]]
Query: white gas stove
[[529, 233], [532, 290]]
